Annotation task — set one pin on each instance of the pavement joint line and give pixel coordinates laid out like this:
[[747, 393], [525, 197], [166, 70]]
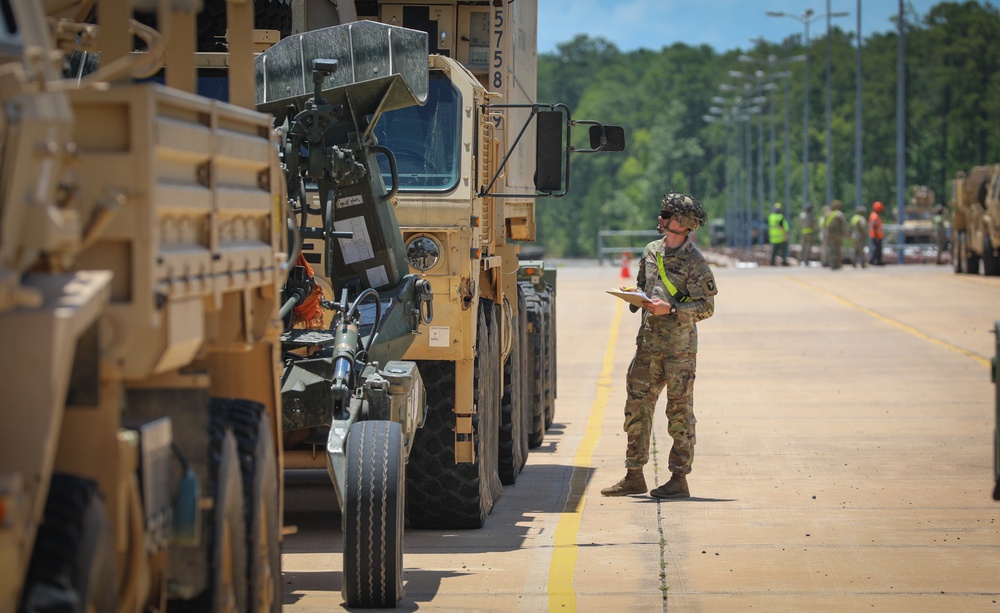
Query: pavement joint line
[[659, 522], [562, 568], [906, 328]]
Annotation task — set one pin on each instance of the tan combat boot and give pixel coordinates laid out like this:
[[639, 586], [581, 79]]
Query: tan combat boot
[[677, 487], [632, 483]]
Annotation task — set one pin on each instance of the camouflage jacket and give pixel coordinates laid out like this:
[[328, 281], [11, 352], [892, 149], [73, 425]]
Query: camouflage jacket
[[688, 271], [836, 224]]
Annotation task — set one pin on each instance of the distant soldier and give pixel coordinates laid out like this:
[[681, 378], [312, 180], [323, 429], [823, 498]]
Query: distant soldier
[[836, 229], [859, 235], [876, 232], [807, 228], [940, 233], [777, 234]]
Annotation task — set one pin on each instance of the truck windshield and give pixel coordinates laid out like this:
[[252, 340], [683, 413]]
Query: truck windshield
[[424, 140]]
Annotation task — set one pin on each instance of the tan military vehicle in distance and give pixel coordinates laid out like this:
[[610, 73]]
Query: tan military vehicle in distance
[[918, 227], [975, 206], [141, 260]]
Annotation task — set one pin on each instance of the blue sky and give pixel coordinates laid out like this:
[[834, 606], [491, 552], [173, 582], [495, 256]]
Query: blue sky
[[722, 24]]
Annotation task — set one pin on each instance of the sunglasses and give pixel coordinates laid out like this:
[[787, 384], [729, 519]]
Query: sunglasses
[[665, 215]]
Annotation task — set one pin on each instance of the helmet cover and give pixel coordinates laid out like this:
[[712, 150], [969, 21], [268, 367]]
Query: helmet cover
[[685, 209]]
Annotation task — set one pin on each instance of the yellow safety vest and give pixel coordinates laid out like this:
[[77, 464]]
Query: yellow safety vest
[[670, 286]]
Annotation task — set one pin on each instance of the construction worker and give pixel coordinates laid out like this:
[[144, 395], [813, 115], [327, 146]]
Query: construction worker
[[940, 233], [675, 274], [807, 229], [876, 232], [836, 227], [859, 235], [777, 230]]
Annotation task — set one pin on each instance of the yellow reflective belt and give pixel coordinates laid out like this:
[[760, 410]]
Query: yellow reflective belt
[[670, 286]]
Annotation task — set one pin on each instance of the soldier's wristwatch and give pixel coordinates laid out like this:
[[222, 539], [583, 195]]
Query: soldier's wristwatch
[[673, 309]]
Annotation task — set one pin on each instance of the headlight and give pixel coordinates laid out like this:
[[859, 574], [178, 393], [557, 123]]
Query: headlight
[[423, 252]]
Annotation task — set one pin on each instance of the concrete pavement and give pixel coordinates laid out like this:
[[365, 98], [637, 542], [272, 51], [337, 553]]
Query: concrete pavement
[[844, 462]]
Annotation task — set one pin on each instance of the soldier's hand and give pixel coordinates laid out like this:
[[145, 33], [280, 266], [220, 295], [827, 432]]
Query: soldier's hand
[[657, 306]]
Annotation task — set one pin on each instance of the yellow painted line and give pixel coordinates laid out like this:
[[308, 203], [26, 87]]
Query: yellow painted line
[[562, 569], [898, 324]]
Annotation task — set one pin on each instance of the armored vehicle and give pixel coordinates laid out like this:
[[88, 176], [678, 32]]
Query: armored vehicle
[[975, 206]]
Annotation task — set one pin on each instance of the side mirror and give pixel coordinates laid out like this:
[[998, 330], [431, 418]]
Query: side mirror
[[553, 144], [549, 151], [607, 138]]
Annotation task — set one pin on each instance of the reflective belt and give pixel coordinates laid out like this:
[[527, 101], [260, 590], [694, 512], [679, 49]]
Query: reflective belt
[[670, 286]]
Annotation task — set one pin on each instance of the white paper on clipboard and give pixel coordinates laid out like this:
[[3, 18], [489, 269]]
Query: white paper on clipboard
[[358, 248]]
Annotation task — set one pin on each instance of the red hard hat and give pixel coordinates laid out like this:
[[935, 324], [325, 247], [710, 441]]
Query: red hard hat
[[877, 207]]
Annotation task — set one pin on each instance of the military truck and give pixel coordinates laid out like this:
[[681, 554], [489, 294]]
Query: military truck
[[470, 164], [142, 257], [975, 226], [919, 225]]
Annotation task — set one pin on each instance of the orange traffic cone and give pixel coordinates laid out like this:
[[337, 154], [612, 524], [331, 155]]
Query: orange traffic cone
[[625, 273]]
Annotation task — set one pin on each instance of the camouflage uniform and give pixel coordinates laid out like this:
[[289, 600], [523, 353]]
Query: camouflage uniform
[[940, 233], [859, 236], [836, 228], [807, 225], [666, 348]]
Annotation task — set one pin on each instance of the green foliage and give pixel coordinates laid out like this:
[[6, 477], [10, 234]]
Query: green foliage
[[952, 80]]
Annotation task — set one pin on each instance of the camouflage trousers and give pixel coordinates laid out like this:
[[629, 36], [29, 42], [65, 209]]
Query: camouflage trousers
[[649, 372], [807, 244]]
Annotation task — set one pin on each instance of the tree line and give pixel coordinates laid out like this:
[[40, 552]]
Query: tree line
[[952, 100]]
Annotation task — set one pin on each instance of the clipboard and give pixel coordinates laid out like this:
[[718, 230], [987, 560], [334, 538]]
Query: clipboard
[[635, 297]]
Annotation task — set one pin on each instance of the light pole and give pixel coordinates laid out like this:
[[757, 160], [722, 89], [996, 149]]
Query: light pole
[[724, 116], [773, 62], [829, 112], [858, 120], [900, 137], [808, 16], [761, 82], [745, 104]]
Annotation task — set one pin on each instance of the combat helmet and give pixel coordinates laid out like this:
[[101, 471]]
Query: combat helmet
[[685, 209]]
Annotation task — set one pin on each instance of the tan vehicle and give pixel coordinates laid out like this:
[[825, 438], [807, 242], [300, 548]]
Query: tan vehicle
[[975, 206], [141, 260], [919, 225]]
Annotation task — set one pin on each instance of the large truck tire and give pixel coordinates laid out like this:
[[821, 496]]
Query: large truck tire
[[259, 472], [372, 517], [227, 539], [965, 256], [72, 566], [440, 493], [958, 249], [513, 450], [537, 334], [991, 264], [549, 303]]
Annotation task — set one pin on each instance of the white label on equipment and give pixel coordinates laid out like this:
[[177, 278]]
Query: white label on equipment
[[377, 276], [355, 249], [440, 336], [350, 201]]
